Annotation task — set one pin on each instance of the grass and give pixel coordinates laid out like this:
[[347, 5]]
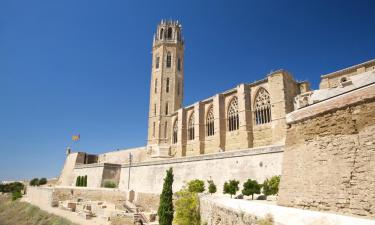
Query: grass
[[17, 213]]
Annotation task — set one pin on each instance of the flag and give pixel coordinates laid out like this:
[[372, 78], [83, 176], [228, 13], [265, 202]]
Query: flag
[[76, 137]]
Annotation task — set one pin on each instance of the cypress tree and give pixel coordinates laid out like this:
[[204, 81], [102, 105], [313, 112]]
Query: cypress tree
[[85, 181], [165, 211], [78, 181]]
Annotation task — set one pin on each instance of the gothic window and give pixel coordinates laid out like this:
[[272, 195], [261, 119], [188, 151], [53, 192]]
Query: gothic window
[[175, 132], [169, 35], [161, 33], [169, 60], [156, 85], [166, 108], [167, 86], [179, 64], [191, 127], [154, 109], [233, 119], [210, 122], [262, 107], [178, 88], [157, 60], [165, 129]]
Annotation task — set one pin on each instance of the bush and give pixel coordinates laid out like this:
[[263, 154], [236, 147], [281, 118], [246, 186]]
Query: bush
[[109, 184], [42, 181], [11, 187], [196, 186], [16, 195], [211, 187], [187, 208], [165, 211], [251, 187], [271, 186], [34, 182], [231, 187]]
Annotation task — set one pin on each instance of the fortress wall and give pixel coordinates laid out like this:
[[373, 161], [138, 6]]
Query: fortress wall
[[329, 160], [39, 196], [122, 156], [256, 163]]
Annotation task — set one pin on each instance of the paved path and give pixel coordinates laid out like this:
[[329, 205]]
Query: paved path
[[286, 215], [69, 215]]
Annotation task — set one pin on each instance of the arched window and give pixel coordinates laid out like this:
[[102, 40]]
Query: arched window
[[156, 85], [166, 108], [175, 132], [153, 129], [154, 109], [165, 129], [178, 88], [157, 60], [167, 86], [179, 64], [210, 129], [161, 34], [262, 107], [233, 119], [169, 35], [169, 60], [191, 127]]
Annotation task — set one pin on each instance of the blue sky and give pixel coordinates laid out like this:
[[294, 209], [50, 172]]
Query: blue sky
[[69, 67]]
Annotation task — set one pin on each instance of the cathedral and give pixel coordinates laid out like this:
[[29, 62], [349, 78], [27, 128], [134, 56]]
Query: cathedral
[[246, 116]]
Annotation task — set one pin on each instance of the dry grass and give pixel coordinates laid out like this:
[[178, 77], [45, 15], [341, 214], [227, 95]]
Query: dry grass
[[267, 220], [17, 213]]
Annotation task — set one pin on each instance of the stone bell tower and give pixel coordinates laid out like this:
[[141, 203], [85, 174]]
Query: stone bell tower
[[166, 89]]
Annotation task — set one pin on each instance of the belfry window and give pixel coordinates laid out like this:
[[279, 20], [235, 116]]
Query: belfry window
[[167, 86], [233, 119], [262, 107], [157, 60], [169, 60], [178, 88], [179, 64], [191, 127], [166, 108], [210, 129], [161, 33], [175, 132], [169, 34]]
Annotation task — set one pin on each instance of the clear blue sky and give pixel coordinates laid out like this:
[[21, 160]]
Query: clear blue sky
[[69, 67]]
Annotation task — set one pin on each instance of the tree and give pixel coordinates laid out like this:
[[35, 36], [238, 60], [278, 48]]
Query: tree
[[16, 195], [231, 187], [211, 187], [187, 208], [34, 182], [78, 181], [251, 187], [165, 211], [271, 186], [81, 181], [85, 181], [196, 186], [42, 181]]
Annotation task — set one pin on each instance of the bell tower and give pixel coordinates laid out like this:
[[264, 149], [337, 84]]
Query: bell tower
[[166, 89]]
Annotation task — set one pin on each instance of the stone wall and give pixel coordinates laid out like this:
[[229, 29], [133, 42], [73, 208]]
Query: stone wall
[[329, 161], [256, 163]]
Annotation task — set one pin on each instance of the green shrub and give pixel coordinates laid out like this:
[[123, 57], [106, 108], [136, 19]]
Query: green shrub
[[34, 182], [196, 186], [251, 187], [231, 187], [165, 211], [42, 181], [271, 186], [16, 195], [211, 187], [109, 184], [11, 187], [187, 208]]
